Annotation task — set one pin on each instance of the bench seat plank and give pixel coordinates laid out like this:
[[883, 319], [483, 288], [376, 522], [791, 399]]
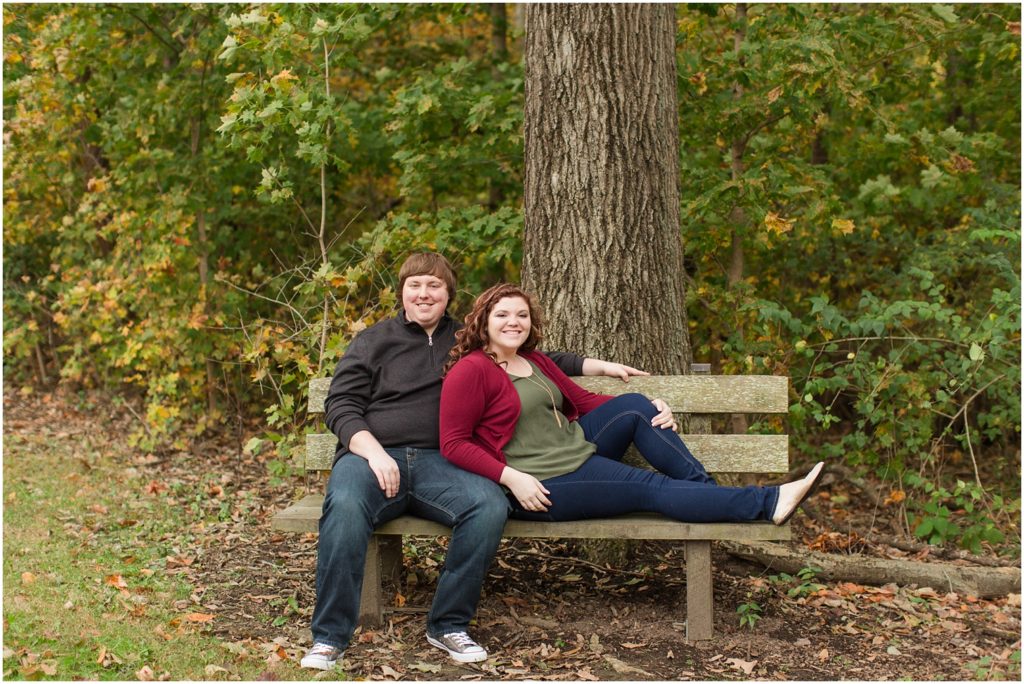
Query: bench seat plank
[[305, 514], [684, 393], [718, 453]]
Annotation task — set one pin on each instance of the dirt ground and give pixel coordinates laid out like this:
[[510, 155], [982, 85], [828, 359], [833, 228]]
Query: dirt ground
[[547, 615]]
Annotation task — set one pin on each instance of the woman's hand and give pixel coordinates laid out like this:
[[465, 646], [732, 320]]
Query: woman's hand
[[610, 369], [527, 489], [665, 420]]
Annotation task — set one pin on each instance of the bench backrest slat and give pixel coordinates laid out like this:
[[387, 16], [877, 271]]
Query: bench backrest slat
[[718, 453], [684, 393], [694, 394]]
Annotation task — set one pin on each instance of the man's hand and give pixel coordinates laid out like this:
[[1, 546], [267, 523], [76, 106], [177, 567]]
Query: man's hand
[[665, 420], [386, 470], [527, 489], [610, 369], [365, 445]]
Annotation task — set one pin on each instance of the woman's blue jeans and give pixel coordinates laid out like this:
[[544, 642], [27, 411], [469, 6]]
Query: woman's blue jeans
[[682, 489], [432, 488]]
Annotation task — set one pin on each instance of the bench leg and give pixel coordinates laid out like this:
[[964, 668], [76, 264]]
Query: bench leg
[[699, 593], [390, 556], [383, 560]]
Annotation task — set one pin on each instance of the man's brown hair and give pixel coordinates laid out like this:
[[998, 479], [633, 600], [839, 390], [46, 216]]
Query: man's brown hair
[[428, 263]]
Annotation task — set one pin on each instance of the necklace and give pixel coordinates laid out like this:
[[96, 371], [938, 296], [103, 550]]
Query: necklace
[[544, 386]]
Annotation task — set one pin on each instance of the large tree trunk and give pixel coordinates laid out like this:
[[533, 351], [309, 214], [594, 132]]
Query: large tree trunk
[[602, 245]]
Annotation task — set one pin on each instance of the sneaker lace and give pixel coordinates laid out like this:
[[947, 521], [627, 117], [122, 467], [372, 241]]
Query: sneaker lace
[[461, 639], [322, 649]]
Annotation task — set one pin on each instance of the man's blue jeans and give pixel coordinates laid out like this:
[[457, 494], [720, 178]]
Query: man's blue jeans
[[432, 488], [682, 490]]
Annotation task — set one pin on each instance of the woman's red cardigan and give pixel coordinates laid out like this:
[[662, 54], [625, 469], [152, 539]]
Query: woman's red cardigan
[[480, 409]]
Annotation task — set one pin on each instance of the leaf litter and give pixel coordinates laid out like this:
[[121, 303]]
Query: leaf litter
[[545, 613]]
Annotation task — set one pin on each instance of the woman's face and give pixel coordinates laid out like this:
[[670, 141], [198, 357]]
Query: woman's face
[[508, 324]]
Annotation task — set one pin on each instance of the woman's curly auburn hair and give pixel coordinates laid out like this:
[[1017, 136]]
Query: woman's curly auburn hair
[[474, 335]]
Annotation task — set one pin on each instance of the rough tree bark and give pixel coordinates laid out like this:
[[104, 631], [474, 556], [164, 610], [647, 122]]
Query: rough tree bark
[[962, 579], [602, 246]]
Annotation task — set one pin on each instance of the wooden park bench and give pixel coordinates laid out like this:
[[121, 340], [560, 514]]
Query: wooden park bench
[[696, 395]]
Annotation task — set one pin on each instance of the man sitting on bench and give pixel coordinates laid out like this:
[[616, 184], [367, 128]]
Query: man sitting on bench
[[383, 406]]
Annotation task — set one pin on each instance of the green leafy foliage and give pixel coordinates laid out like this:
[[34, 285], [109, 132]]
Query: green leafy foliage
[[203, 204], [802, 584], [749, 612], [856, 226]]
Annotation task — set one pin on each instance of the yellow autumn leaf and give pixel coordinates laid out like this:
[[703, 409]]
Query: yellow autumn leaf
[[283, 79], [844, 226], [699, 80], [777, 224]]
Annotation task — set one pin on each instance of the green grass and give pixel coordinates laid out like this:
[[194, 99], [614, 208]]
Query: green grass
[[88, 591]]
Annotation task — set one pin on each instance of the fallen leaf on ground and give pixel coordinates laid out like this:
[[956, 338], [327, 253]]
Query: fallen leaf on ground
[[27, 578], [630, 644], [146, 674], [624, 668], [390, 672], [746, 665], [425, 667], [199, 617], [538, 622], [115, 581]]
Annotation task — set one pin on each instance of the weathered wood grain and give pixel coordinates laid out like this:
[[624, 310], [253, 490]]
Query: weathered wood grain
[[684, 393], [718, 453], [304, 515]]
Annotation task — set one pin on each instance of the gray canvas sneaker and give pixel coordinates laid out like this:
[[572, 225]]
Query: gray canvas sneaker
[[459, 646], [321, 657]]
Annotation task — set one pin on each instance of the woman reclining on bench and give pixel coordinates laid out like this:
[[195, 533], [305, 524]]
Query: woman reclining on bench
[[511, 415]]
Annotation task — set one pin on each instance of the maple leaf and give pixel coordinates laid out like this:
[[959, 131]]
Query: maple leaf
[[777, 224], [746, 665], [844, 226], [895, 497], [115, 581]]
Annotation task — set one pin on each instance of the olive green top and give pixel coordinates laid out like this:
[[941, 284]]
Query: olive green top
[[544, 445]]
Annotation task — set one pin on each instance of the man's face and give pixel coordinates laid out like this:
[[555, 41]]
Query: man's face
[[424, 298]]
